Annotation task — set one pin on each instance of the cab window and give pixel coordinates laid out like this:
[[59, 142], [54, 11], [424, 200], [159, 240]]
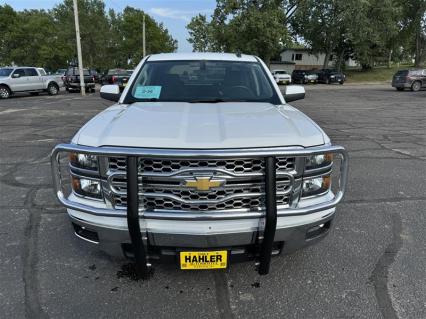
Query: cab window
[[21, 72], [31, 72]]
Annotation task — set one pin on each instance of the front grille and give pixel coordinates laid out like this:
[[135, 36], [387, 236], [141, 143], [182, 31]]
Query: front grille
[[161, 184], [232, 166]]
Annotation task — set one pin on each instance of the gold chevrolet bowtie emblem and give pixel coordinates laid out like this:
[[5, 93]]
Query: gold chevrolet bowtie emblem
[[204, 183]]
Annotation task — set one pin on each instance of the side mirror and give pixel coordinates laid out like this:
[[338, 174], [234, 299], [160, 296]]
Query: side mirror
[[294, 92], [16, 75], [110, 92]]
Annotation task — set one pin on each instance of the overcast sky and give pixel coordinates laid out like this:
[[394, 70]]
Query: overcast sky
[[175, 14]]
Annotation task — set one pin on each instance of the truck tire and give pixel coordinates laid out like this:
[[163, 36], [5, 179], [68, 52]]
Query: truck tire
[[53, 89], [416, 86], [4, 92]]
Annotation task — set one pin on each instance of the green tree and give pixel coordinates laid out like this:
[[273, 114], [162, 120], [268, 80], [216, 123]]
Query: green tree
[[413, 31], [366, 30], [47, 38], [94, 31], [8, 18], [129, 26], [250, 26], [319, 22], [200, 34]]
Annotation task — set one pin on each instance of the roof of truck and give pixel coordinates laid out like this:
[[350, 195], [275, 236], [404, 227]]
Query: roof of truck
[[202, 56]]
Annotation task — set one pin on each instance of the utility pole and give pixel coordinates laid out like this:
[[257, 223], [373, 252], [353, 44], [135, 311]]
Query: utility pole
[[80, 59], [143, 36]]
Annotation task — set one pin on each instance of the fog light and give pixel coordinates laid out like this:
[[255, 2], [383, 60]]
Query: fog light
[[86, 187], [316, 186]]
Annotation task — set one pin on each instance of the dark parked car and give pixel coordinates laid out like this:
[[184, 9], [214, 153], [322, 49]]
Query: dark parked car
[[329, 76], [119, 77], [72, 80], [409, 79], [96, 75], [304, 76]]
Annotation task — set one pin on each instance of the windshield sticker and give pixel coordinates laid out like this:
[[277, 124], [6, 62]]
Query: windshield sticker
[[147, 92]]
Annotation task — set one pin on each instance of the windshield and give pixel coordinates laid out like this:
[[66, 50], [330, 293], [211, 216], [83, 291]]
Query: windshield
[[5, 72], [402, 73], [202, 81]]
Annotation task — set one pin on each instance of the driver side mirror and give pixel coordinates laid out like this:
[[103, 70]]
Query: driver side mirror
[[110, 92], [16, 75], [294, 92]]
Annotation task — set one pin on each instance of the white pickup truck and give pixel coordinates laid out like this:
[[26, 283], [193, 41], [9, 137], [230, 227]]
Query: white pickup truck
[[201, 162], [27, 79]]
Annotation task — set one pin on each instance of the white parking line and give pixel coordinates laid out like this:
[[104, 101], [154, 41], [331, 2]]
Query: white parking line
[[11, 111]]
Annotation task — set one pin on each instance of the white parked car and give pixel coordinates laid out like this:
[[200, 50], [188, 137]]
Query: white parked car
[[27, 79], [281, 76], [201, 161]]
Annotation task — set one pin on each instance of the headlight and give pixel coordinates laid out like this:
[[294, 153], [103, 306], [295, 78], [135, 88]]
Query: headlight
[[332, 76], [85, 161], [86, 187], [316, 186], [318, 161]]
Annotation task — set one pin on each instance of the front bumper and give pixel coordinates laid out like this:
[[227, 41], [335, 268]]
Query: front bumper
[[283, 81], [405, 85], [77, 85], [168, 237]]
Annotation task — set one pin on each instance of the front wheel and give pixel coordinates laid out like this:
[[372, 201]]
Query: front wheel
[[416, 86], [52, 89], [4, 92], [341, 82]]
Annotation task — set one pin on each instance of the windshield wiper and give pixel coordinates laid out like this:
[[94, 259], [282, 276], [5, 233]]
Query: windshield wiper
[[215, 101]]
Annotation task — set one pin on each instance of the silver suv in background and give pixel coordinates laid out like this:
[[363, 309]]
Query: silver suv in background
[[27, 79]]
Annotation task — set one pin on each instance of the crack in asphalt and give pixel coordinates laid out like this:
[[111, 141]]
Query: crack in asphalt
[[33, 307], [380, 274], [222, 295]]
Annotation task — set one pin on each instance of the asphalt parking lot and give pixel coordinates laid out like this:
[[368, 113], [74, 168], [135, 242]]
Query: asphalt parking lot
[[372, 265]]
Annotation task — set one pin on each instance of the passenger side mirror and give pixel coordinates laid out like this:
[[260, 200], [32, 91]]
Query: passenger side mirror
[[15, 75], [110, 92], [294, 92]]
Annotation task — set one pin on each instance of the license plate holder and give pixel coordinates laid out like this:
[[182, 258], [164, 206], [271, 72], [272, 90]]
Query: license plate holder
[[197, 260]]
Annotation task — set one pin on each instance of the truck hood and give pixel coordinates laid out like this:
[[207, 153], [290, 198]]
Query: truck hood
[[200, 126]]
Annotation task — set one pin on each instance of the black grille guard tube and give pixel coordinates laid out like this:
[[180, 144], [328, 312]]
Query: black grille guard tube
[[270, 216], [133, 218]]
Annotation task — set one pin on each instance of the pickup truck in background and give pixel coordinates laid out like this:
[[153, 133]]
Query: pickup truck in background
[[116, 76], [72, 80], [329, 76], [281, 76], [27, 79], [201, 162]]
